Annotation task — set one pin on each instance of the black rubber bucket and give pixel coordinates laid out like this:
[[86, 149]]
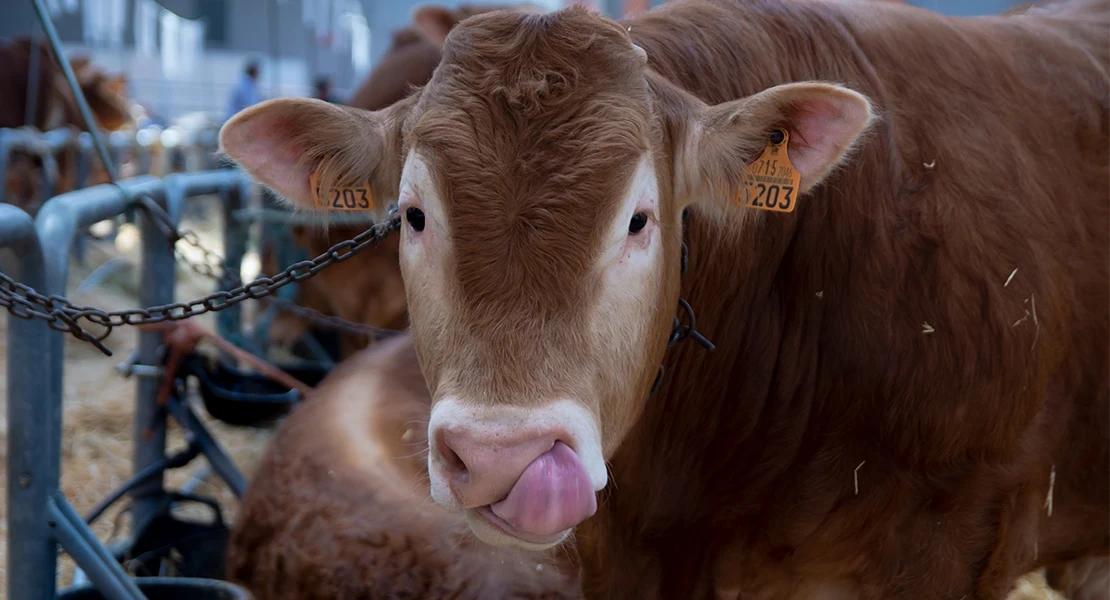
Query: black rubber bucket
[[168, 588], [248, 399], [236, 397]]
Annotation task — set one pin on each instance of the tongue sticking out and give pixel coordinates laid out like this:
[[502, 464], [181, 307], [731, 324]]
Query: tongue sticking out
[[552, 495]]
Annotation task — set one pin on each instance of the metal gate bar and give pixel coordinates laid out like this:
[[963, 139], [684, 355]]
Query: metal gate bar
[[38, 514], [87, 551], [48, 145], [32, 558]]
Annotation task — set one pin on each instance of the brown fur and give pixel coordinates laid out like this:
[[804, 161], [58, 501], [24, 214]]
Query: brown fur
[[368, 288], [990, 152], [56, 107], [339, 507]]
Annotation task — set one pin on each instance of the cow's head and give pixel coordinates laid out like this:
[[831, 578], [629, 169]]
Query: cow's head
[[541, 174]]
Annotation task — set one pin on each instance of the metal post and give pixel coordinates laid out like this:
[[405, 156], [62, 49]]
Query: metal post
[[84, 159], [37, 512], [149, 425], [50, 175], [32, 476], [219, 460], [5, 156], [271, 234], [236, 234]]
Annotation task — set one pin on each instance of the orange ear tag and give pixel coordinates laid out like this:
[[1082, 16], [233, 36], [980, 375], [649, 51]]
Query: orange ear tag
[[771, 182], [341, 198]]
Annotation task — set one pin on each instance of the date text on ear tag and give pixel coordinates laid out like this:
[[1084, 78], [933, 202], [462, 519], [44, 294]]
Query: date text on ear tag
[[352, 197], [771, 182]]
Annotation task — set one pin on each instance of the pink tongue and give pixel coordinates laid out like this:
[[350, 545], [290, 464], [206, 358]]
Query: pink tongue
[[552, 495]]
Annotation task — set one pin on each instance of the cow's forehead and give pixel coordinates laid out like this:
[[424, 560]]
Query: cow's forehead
[[531, 128], [535, 64], [528, 207]]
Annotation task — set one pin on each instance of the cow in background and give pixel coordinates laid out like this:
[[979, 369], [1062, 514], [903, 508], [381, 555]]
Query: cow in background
[[55, 107]]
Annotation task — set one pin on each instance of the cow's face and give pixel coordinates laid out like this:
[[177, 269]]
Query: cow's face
[[541, 175]]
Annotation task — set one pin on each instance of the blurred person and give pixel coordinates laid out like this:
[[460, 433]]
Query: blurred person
[[245, 93], [323, 89]]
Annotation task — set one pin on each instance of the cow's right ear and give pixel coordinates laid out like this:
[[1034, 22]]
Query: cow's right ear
[[283, 142]]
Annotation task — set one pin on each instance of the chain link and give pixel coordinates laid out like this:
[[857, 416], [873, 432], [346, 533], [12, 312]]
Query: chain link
[[62, 315], [329, 322]]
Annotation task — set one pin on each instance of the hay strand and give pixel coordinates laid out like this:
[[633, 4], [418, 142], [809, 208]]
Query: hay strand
[[1051, 489]]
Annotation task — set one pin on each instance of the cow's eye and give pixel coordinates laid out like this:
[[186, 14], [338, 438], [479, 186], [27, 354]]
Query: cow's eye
[[638, 222], [415, 217]]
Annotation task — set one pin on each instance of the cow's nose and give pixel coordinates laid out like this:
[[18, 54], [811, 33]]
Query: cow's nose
[[480, 470]]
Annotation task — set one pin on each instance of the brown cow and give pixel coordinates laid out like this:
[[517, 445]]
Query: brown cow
[[909, 394], [367, 288], [56, 107], [339, 507]]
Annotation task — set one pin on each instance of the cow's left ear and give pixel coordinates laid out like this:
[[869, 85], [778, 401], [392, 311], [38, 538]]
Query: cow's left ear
[[823, 123]]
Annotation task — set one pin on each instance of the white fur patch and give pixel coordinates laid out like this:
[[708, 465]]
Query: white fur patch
[[418, 190], [629, 272], [629, 254]]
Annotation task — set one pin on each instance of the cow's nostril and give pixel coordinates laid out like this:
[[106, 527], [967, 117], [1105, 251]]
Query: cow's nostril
[[451, 459]]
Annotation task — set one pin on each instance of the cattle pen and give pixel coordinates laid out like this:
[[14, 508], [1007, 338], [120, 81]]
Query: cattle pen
[[127, 451]]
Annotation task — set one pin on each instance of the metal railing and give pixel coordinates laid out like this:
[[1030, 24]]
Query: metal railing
[[39, 514], [32, 289], [191, 150]]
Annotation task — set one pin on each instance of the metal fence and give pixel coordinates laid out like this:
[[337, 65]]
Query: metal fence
[[36, 250], [39, 514], [38, 254]]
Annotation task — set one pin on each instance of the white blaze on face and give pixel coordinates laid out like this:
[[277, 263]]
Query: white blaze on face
[[630, 263], [417, 190], [623, 315], [425, 256]]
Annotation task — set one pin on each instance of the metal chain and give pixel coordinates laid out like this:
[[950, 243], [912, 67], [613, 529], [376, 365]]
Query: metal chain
[[213, 266], [62, 315], [329, 322]]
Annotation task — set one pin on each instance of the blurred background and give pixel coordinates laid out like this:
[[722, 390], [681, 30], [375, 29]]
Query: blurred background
[[186, 56]]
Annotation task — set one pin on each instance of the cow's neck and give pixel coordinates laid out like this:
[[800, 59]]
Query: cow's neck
[[726, 424]]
